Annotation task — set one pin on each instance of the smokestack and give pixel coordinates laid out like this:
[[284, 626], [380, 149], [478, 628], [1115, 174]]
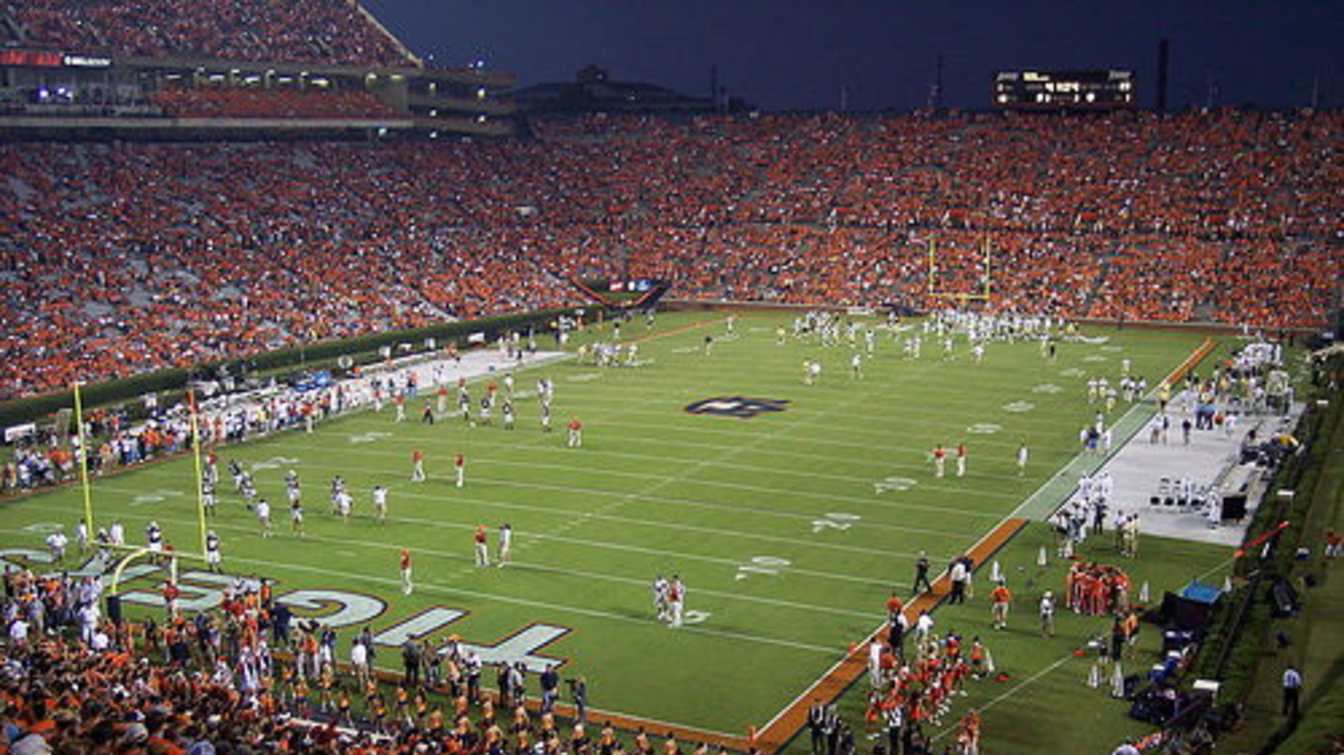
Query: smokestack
[[1163, 63]]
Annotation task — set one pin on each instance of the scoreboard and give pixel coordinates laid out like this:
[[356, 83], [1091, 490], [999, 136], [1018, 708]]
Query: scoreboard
[[1064, 90]]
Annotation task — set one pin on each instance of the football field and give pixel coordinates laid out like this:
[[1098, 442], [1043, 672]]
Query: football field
[[790, 511]]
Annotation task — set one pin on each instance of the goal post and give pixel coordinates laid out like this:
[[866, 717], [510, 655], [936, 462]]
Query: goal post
[[83, 452], [981, 292]]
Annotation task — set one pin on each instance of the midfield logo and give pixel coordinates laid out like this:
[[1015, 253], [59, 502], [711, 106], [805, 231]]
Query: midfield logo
[[736, 406]]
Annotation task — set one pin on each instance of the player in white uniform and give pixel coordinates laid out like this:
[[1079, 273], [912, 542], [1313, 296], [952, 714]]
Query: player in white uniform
[[82, 536], [293, 488], [208, 495], [344, 503], [117, 534], [380, 503], [264, 517], [508, 414], [56, 543], [856, 366], [1022, 459], [212, 557], [505, 541]]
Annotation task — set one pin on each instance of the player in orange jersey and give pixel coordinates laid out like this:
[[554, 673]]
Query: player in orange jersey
[[406, 585]]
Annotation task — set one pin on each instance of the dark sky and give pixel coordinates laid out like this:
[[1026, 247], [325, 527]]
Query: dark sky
[[790, 54]]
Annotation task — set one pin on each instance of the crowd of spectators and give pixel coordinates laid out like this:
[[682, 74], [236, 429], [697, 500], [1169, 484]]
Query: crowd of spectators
[[118, 259], [255, 102], [248, 676], [319, 31]]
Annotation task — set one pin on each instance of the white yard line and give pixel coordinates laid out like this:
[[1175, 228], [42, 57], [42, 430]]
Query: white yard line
[[594, 613], [594, 544], [506, 483], [482, 440], [1010, 692], [406, 491]]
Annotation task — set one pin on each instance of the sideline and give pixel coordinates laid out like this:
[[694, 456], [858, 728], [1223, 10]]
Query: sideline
[[786, 724]]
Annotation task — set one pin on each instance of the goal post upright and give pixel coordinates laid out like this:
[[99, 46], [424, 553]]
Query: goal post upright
[[981, 292], [196, 452], [933, 266], [989, 261], [83, 459]]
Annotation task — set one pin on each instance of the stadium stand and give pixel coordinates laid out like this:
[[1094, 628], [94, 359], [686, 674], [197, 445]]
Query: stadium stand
[[73, 681], [238, 102], [318, 31], [122, 259]]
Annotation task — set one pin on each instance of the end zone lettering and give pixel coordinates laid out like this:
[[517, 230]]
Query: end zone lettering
[[736, 406], [337, 609]]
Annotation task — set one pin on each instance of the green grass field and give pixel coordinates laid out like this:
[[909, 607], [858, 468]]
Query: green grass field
[[789, 528]]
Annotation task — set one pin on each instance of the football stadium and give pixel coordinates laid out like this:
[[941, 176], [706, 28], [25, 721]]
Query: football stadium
[[358, 403]]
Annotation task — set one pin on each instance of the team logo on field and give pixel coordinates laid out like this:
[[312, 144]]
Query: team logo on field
[[736, 406]]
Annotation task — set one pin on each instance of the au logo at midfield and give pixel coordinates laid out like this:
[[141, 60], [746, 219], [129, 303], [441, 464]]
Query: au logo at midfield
[[736, 406]]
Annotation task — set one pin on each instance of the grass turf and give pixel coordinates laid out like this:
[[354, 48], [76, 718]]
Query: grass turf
[[774, 522]]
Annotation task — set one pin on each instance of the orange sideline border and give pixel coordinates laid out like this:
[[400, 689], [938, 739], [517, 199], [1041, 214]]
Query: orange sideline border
[[786, 725]]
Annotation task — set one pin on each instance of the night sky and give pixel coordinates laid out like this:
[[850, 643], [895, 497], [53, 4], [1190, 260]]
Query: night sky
[[790, 54]]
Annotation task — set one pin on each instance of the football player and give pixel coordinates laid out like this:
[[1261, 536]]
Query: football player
[[505, 541], [380, 503], [212, 557], [264, 517]]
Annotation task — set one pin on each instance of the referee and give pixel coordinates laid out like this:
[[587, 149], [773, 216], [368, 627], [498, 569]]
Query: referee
[[1292, 691]]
